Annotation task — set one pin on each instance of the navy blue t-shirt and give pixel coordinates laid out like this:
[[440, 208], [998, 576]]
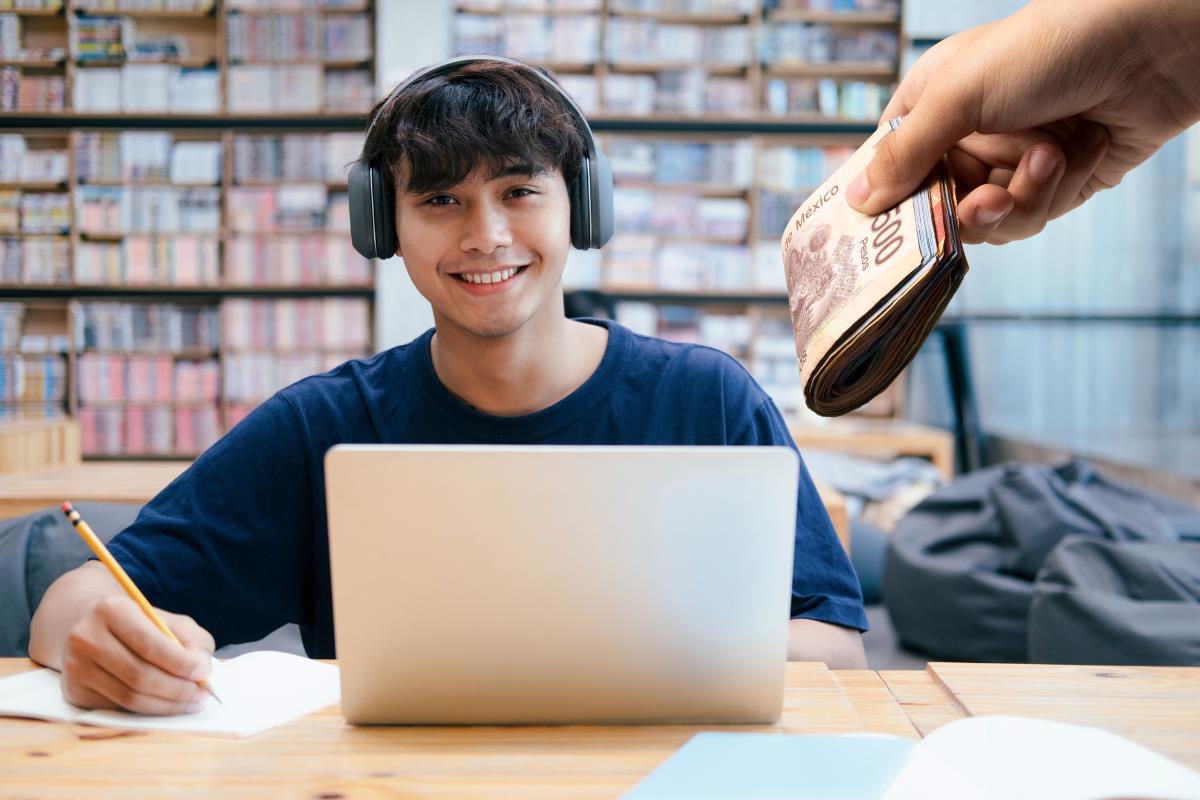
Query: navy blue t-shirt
[[239, 541]]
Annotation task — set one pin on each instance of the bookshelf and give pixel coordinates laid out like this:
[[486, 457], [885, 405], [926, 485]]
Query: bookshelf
[[174, 232], [719, 118]]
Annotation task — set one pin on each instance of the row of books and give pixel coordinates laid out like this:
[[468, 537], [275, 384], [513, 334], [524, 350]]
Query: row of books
[[799, 42], [288, 207], [536, 38], [663, 162], [148, 430], [32, 378], [13, 46], [257, 88], [649, 262], [157, 156], [294, 157], [293, 37], [687, 91], [109, 378], [20, 163], [148, 209], [250, 378], [827, 97], [295, 261], [144, 5], [147, 88], [639, 210], [31, 5], [335, 324], [638, 41], [146, 327], [295, 5], [31, 94], [177, 260], [38, 260], [34, 212]]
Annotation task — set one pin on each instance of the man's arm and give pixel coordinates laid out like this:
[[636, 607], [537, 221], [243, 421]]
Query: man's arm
[[838, 647]]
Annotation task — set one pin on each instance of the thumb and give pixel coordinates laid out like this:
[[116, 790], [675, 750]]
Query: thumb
[[906, 156]]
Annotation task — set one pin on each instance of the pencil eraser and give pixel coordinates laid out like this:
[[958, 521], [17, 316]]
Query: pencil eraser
[[66, 507]]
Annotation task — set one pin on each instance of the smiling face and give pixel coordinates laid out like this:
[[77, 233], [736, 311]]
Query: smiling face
[[480, 157], [488, 252]]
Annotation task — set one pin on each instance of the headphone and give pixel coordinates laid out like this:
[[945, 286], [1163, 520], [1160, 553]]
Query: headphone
[[372, 199]]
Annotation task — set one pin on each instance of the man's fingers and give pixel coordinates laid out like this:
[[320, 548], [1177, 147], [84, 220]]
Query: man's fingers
[[906, 156], [1084, 150], [138, 633], [124, 696], [1033, 188], [982, 211]]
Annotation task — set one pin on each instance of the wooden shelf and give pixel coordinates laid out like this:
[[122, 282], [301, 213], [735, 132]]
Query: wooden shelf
[[149, 13], [650, 67], [195, 63], [683, 17], [34, 12], [466, 8], [693, 296], [35, 63], [35, 186]]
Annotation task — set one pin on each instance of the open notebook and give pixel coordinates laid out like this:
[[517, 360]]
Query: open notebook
[[977, 758], [258, 691]]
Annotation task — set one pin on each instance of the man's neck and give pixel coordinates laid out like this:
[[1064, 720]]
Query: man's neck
[[524, 372]]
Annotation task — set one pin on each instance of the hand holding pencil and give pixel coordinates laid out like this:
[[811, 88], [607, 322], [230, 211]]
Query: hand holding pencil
[[123, 653]]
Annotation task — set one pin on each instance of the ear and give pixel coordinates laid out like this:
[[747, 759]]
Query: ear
[[396, 224]]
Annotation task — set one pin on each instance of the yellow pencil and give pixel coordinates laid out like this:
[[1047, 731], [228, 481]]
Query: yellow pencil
[[123, 578]]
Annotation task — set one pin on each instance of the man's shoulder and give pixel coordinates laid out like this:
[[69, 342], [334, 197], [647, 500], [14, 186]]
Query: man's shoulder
[[355, 377], [686, 360]]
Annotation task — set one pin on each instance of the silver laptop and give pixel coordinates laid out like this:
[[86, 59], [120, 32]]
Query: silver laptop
[[514, 585]]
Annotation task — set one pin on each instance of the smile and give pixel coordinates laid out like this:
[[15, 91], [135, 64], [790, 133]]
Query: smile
[[499, 276]]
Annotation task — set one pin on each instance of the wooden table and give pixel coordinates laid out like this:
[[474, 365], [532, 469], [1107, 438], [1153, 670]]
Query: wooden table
[[138, 481], [879, 439], [320, 756]]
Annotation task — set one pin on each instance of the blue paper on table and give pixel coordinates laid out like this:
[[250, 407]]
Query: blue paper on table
[[755, 766]]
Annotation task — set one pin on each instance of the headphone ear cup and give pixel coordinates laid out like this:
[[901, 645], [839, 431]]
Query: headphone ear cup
[[362, 218], [579, 209], [385, 223], [601, 201], [372, 212]]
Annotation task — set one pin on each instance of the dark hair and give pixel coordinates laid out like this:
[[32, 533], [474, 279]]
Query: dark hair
[[486, 115]]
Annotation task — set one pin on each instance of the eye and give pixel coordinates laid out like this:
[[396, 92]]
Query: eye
[[439, 200], [521, 191]]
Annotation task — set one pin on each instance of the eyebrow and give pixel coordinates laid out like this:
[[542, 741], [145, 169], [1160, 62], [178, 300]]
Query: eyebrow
[[512, 169]]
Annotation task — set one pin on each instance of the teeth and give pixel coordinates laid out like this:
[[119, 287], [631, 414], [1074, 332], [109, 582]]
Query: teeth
[[490, 277]]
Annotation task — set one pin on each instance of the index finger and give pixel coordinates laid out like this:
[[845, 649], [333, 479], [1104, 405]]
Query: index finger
[[140, 635]]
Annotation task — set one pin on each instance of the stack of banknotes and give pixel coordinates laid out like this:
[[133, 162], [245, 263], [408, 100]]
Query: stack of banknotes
[[865, 292]]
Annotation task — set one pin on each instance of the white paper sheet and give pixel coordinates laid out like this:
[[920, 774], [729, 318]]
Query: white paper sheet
[[258, 691]]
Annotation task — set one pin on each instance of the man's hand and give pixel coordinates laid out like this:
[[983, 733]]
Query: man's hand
[[1040, 110], [116, 658], [109, 652]]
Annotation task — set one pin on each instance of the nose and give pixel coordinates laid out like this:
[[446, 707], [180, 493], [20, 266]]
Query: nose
[[485, 228]]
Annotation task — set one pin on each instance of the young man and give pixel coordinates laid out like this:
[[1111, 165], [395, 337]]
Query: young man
[[481, 159]]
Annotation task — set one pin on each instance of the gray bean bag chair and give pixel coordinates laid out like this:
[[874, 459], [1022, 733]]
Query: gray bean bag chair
[[35, 550], [959, 570], [1099, 602]]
